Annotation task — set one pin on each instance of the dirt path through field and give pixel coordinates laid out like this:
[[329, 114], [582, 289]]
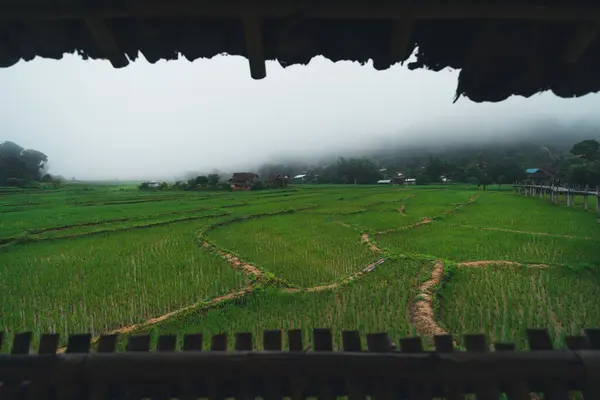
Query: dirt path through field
[[484, 263], [153, 321], [251, 269], [364, 238], [525, 232], [331, 286], [235, 261], [421, 313]]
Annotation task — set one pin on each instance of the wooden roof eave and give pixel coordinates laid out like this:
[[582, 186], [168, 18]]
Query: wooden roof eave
[[326, 9], [252, 14]]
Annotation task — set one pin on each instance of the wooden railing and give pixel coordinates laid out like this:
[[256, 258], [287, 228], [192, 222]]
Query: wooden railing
[[381, 371], [554, 193]]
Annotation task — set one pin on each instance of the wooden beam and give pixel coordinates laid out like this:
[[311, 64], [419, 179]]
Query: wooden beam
[[106, 41], [400, 41], [340, 9], [254, 46], [581, 39]]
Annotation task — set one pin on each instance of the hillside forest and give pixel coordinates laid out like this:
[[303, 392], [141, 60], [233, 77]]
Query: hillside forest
[[575, 164]]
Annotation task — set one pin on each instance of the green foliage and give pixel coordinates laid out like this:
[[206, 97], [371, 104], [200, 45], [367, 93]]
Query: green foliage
[[201, 180], [20, 165], [259, 185], [588, 149], [213, 179]]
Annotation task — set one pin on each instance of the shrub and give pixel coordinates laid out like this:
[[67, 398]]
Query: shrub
[[16, 182], [259, 185]]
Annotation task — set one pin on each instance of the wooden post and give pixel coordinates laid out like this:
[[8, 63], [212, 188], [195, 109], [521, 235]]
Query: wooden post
[[598, 199], [585, 198]]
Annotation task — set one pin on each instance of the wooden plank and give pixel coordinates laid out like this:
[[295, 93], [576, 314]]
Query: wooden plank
[[166, 343], [254, 46], [243, 341], [21, 343], [272, 340], [351, 341], [192, 342], [539, 339], [40, 388], [411, 345], [147, 367], [585, 34], [415, 390], [322, 339], [218, 342], [106, 41], [593, 336], [295, 340], [352, 9], [138, 342], [515, 389], [79, 343], [379, 342], [443, 343], [500, 346], [49, 343], [107, 343], [577, 342], [476, 343], [485, 389]]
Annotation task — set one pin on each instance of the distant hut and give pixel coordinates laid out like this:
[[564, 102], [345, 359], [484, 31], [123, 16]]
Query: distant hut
[[539, 176], [243, 180], [300, 178], [280, 181], [398, 180]]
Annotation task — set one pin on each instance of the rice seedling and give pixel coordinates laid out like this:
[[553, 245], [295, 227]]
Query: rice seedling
[[504, 301], [101, 282], [302, 249], [375, 303], [473, 244], [117, 268]]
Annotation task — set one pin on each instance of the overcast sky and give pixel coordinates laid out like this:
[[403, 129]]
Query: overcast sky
[[159, 121]]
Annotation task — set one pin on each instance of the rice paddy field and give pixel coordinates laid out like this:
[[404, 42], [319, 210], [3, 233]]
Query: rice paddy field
[[105, 259]]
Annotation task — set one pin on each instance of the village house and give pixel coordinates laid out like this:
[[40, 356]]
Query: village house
[[398, 179], [300, 178], [243, 180]]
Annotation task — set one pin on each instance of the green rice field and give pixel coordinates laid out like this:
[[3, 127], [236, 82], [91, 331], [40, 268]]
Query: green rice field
[[104, 259]]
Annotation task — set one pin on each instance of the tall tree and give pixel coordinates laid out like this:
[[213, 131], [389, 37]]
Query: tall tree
[[18, 163]]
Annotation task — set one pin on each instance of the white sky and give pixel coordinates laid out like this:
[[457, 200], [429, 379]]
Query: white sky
[[158, 121]]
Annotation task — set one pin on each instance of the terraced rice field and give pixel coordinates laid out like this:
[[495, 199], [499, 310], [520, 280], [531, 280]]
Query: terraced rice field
[[404, 260]]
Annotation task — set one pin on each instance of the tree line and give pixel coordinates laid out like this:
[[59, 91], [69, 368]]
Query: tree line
[[481, 164], [22, 167]]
